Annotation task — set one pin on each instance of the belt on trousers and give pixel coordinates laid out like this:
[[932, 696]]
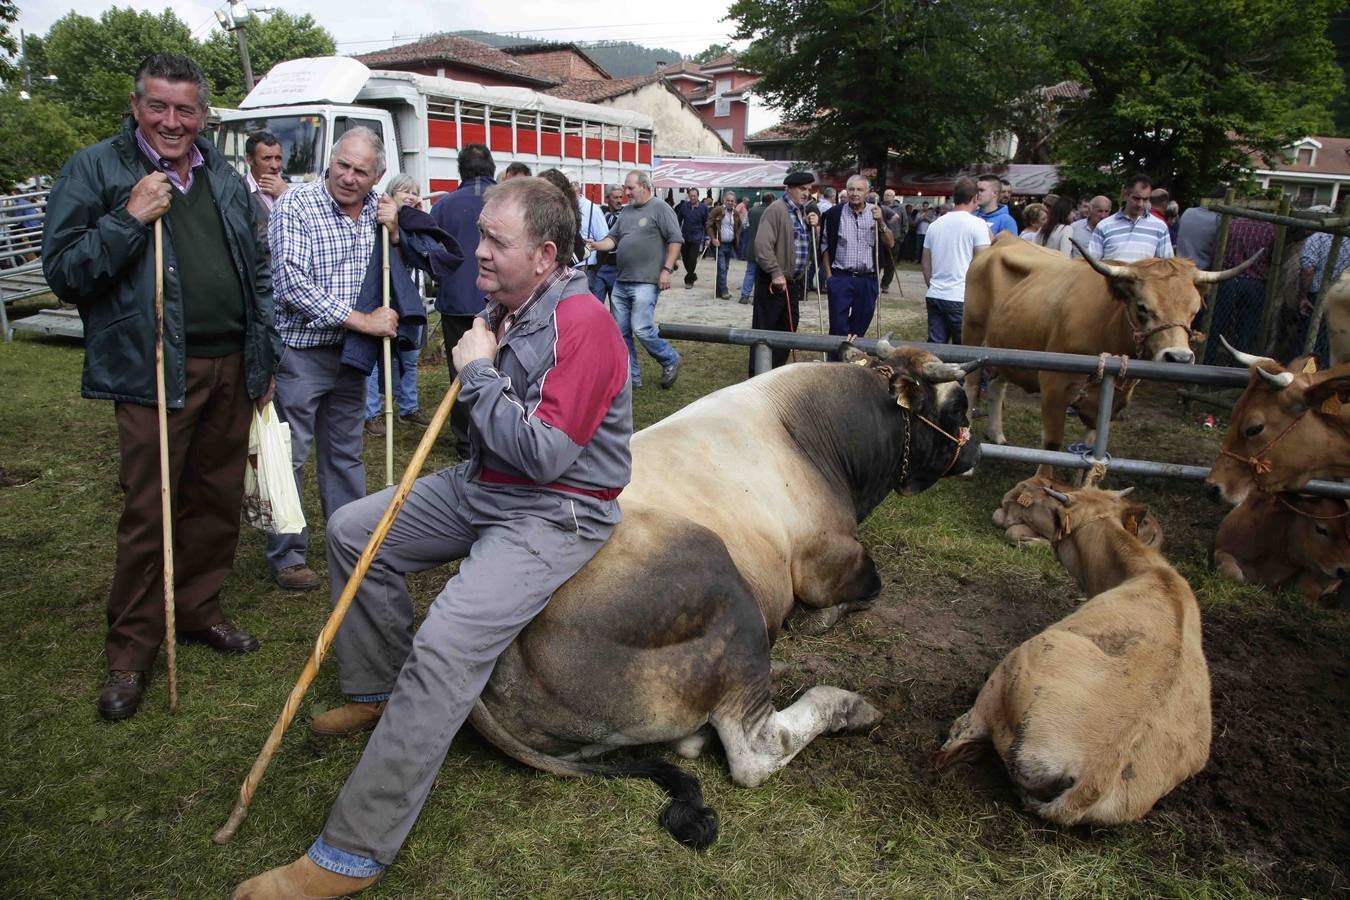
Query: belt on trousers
[[859, 272]]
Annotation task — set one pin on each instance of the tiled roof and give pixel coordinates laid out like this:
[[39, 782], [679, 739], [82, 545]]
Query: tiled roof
[[460, 50], [1332, 158], [590, 91], [1065, 90], [682, 68], [722, 61], [552, 60], [781, 132]]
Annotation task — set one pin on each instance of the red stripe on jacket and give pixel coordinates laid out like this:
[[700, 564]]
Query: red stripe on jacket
[[590, 366]]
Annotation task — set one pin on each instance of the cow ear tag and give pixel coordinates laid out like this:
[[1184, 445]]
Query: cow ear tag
[[861, 361], [1132, 525], [1025, 500], [1310, 367], [900, 399], [1331, 406]]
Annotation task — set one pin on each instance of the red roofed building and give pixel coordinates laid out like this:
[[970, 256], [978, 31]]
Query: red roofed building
[[1315, 171], [448, 56], [720, 91]]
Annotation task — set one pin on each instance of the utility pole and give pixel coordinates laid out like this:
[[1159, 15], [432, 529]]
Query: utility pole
[[233, 18]]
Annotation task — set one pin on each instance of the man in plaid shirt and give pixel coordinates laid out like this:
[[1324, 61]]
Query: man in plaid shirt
[[323, 236]]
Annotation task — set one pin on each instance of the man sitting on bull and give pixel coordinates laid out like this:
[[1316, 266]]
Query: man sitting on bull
[[544, 376]]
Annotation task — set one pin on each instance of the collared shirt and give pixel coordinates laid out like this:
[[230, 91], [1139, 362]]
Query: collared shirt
[[857, 240], [501, 320], [801, 238], [266, 198], [1081, 232], [319, 259], [1128, 240], [1316, 249], [195, 161], [1245, 238], [727, 233], [593, 227]]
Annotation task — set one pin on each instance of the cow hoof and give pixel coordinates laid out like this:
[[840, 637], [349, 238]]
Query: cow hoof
[[999, 438], [691, 746], [813, 622], [862, 716]]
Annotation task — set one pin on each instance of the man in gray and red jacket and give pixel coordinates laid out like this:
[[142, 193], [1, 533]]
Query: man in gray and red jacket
[[545, 382]]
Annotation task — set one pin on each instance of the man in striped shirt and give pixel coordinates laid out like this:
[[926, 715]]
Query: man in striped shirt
[[323, 236], [1132, 234]]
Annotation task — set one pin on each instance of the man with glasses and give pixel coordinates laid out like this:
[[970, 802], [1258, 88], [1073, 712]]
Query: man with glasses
[[1132, 234]]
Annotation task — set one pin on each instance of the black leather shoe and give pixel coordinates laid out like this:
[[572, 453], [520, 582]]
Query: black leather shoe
[[223, 637], [121, 695]]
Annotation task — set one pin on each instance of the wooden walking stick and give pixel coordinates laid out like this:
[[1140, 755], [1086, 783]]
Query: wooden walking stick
[[876, 270], [388, 375], [330, 628], [820, 311], [165, 500]]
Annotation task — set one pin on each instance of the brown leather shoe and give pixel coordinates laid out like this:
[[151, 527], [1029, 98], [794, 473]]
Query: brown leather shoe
[[352, 718], [297, 578], [222, 636], [375, 426], [121, 694], [303, 879], [416, 417]]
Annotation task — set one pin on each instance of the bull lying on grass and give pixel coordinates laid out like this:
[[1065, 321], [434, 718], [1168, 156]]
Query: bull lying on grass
[[742, 504], [1107, 710], [1286, 540], [1027, 514], [1290, 426]]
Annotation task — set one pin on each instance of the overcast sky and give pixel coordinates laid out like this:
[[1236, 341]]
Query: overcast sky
[[359, 26]]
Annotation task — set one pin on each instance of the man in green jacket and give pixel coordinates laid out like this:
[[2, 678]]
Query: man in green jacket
[[220, 350]]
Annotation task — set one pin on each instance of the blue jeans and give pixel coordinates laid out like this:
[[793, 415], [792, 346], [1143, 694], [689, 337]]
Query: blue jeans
[[600, 281], [748, 283], [635, 312], [853, 300], [725, 251], [405, 384], [743, 246], [944, 320]]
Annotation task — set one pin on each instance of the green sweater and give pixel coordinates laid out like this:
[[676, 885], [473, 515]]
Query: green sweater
[[213, 300]]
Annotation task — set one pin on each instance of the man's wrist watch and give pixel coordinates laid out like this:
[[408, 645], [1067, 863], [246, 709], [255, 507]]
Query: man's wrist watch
[[669, 270]]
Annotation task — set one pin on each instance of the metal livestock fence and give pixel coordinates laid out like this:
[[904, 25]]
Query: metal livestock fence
[[1110, 368]]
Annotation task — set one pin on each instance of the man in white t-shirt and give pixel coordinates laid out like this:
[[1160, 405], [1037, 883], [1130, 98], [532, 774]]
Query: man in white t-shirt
[[948, 248]]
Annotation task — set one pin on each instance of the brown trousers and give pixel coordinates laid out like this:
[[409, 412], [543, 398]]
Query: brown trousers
[[208, 443]]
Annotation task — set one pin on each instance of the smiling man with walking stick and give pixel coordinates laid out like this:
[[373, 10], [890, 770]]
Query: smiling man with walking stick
[[544, 375], [219, 346]]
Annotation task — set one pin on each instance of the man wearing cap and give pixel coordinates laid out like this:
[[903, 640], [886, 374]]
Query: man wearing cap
[[782, 251]]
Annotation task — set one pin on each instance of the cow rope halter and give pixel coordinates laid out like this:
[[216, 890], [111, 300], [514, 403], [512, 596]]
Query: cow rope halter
[[960, 439], [1260, 461], [1304, 513]]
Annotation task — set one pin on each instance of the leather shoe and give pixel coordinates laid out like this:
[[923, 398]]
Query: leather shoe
[[375, 426], [303, 878], [351, 718], [416, 417], [121, 694], [222, 636], [297, 578]]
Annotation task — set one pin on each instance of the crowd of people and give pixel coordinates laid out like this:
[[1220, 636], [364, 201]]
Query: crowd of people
[[270, 295]]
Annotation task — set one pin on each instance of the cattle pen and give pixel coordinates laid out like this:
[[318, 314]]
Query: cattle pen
[[1106, 369]]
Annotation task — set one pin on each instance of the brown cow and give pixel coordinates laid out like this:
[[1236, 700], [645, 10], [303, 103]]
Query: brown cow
[[1290, 426], [1025, 297], [1286, 540], [1027, 514], [1107, 710]]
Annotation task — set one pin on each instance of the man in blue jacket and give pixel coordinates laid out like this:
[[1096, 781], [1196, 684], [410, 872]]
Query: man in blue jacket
[[989, 207], [458, 300], [220, 352], [693, 218]]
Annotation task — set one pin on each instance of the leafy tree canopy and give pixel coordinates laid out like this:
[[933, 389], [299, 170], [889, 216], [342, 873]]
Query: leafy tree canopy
[[9, 14], [711, 52], [276, 38], [37, 139]]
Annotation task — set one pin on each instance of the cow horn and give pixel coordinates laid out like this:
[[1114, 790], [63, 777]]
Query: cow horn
[[1247, 359], [938, 372], [968, 367], [1203, 277], [885, 347], [1124, 491], [1281, 380], [1062, 498], [1105, 269]]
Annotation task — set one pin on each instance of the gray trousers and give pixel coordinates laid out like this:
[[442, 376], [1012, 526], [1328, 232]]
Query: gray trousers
[[518, 546], [324, 402]]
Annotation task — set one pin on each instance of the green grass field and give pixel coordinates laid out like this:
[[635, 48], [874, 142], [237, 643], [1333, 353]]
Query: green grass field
[[89, 809]]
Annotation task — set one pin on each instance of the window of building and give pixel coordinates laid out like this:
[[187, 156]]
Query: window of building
[[1305, 156], [1305, 196], [721, 107], [723, 85], [726, 135]]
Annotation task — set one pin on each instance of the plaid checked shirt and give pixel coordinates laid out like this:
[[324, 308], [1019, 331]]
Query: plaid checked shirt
[[801, 238], [319, 259]]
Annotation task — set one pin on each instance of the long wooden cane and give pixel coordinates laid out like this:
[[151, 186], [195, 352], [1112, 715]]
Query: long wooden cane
[[165, 500], [330, 628], [388, 374], [876, 270], [820, 308]]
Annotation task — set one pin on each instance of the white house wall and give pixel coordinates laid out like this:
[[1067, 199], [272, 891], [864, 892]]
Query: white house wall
[[679, 131]]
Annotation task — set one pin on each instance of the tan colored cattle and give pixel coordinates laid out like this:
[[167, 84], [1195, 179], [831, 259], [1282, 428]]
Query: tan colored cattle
[[1286, 540], [1107, 710], [1289, 427], [1027, 514], [1025, 297]]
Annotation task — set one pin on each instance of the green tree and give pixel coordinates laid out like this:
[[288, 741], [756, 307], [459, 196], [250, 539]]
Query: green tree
[[276, 38], [711, 52], [94, 60], [1189, 92], [929, 82], [37, 139], [9, 14]]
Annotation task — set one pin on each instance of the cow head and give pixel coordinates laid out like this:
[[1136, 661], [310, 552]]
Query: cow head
[[1319, 534], [1288, 428], [1028, 514], [1161, 298], [927, 393], [1075, 544]]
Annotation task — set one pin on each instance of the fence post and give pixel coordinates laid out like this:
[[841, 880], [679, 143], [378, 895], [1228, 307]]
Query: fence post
[[1271, 310], [1220, 249], [1328, 275], [762, 357]]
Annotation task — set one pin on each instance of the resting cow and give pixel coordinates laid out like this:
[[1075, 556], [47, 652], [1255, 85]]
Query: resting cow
[[1027, 514], [1289, 427], [1107, 710], [1025, 297], [741, 503], [1286, 540]]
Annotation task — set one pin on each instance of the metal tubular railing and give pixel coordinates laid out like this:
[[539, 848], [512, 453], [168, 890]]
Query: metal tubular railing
[[1111, 368]]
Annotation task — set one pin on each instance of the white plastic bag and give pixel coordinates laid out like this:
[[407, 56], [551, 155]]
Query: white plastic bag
[[270, 499]]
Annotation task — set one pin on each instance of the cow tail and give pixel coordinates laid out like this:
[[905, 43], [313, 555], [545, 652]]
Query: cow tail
[[686, 817]]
